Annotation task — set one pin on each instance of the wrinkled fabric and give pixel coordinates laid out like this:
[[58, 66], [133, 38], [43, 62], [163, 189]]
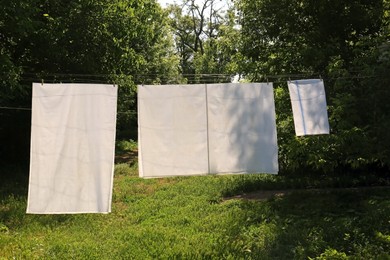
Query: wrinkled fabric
[[172, 129], [72, 148], [308, 102], [242, 128], [206, 129]]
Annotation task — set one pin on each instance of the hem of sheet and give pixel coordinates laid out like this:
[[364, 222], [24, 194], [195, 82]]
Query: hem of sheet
[[67, 213], [207, 129], [209, 174], [113, 155], [140, 164], [31, 152], [319, 133]]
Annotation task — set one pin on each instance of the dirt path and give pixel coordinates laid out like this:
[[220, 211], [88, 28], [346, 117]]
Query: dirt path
[[268, 194], [128, 157], [132, 156]]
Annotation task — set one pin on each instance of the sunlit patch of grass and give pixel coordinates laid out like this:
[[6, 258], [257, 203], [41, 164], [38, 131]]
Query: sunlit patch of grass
[[188, 217], [124, 169], [123, 146]]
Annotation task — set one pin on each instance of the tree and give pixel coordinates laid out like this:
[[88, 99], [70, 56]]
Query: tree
[[340, 41], [123, 42], [204, 37]]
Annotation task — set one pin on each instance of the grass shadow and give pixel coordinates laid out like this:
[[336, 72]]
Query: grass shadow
[[264, 182], [126, 151], [326, 223], [13, 180]]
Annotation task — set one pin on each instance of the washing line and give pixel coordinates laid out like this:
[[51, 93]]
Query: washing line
[[15, 108], [286, 77]]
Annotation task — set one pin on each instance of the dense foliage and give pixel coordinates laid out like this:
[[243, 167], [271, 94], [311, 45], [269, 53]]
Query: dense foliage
[[345, 42], [122, 42], [205, 39], [130, 42]]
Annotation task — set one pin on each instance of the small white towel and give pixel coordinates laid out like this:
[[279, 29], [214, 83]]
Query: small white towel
[[309, 107], [72, 148]]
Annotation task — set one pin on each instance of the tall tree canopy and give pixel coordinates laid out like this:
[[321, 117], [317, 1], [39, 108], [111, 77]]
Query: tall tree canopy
[[205, 39], [347, 43], [136, 41], [119, 41]]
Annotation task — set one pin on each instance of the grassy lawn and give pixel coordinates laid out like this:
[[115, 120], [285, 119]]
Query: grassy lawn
[[210, 217]]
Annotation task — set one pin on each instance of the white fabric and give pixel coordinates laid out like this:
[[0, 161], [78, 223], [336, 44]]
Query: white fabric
[[242, 128], [72, 148], [202, 129], [172, 130], [309, 107]]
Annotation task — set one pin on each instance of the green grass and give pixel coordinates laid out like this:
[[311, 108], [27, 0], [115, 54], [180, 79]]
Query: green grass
[[188, 218]]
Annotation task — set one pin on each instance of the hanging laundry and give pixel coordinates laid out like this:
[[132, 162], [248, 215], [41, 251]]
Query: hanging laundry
[[242, 128], [309, 107], [172, 129], [206, 129], [72, 148]]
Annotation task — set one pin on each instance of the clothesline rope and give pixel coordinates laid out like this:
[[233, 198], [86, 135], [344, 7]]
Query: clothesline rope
[[200, 77], [29, 109], [166, 81], [15, 108], [287, 78]]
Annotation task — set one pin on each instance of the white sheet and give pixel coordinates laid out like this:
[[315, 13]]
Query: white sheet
[[72, 148], [242, 128], [172, 130], [201, 129], [309, 107]]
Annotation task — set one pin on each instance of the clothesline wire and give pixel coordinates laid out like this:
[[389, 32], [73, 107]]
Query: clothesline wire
[[15, 108], [29, 109], [202, 78], [89, 80], [107, 75]]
